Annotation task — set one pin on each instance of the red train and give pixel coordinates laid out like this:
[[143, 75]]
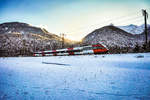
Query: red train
[[91, 49]]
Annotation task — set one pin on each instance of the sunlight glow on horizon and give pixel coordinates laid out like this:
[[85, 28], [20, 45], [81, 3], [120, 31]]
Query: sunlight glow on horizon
[[77, 32], [75, 18]]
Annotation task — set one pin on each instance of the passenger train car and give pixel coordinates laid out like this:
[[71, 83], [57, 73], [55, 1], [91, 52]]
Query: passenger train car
[[83, 50]]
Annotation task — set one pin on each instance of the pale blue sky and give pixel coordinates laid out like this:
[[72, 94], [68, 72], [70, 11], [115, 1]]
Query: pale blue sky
[[75, 18]]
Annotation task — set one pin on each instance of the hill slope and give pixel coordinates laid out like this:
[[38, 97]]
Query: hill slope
[[23, 28], [21, 38], [112, 36], [133, 29]]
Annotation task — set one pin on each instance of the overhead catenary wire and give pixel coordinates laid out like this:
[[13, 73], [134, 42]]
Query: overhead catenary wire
[[124, 21], [107, 21], [131, 18]]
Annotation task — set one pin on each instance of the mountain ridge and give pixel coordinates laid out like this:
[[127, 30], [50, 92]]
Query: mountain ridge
[[133, 29], [24, 28], [23, 39], [112, 36]]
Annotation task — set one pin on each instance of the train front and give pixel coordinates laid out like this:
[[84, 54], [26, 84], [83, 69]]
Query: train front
[[99, 49]]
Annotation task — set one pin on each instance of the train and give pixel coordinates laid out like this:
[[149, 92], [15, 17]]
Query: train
[[83, 50]]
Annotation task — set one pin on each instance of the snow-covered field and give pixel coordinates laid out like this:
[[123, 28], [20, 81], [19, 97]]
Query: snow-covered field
[[91, 77]]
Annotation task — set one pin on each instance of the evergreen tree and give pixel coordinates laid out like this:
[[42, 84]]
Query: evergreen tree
[[137, 48], [148, 49], [144, 47]]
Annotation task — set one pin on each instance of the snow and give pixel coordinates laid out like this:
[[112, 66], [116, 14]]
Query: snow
[[6, 28], [134, 29], [9, 31], [112, 37], [86, 77]]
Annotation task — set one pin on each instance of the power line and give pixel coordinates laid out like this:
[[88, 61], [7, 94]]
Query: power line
[[63, 39], [145, 14], [102, 23], [89, 29], [132, 19]]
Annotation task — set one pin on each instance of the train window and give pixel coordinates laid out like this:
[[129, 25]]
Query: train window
[[46, 53], [62, 51], [77, 50], [87, 48], [38, 53], [74, 51], [90, 48], [98, 47]]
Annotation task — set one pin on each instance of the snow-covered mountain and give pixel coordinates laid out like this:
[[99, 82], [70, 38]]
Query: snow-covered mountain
[[133, 29], [23, 28], [142, 35], [20, 38], [113, 36]]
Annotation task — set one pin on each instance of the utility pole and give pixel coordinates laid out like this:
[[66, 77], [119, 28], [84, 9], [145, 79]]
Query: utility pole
[[145, 14], [63, 39]]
